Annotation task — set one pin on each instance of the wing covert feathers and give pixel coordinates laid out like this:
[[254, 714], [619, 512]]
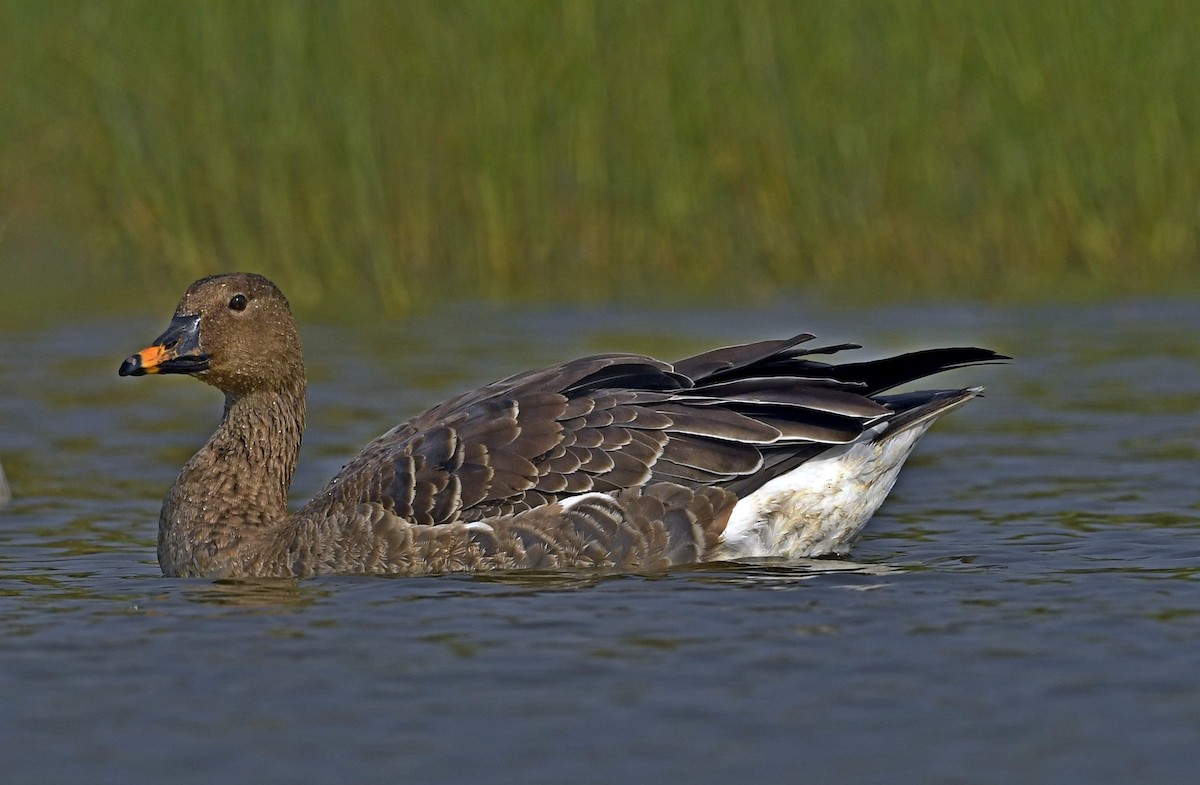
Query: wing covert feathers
[[478, 479]]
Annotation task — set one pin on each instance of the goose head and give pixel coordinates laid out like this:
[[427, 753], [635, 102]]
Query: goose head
[[233, 331]]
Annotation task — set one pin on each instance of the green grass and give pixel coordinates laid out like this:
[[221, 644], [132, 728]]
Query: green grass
[[600, 149]]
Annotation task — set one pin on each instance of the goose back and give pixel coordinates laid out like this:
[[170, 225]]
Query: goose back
[[731, 418]]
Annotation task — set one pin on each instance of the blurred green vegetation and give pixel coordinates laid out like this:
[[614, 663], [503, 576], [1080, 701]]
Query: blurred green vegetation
[[591, 149]]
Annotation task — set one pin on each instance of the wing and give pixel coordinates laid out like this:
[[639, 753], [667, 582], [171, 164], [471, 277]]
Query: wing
[[729, 418]]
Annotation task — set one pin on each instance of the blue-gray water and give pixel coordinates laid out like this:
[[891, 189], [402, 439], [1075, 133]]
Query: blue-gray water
[[1025, 608]]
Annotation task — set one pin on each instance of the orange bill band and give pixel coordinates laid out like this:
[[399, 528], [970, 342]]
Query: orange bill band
[[175, 351], [153, 356]]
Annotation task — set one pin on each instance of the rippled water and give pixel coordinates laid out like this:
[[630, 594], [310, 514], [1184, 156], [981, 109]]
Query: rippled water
[[1026, 607]]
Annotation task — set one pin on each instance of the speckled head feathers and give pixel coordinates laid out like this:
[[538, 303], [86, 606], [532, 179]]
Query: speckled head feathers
[[247, 330]]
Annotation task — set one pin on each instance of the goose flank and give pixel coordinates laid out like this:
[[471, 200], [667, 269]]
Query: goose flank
[[614, 461]]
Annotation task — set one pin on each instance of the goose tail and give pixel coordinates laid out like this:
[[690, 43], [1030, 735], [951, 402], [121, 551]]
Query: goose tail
[[821, 506]]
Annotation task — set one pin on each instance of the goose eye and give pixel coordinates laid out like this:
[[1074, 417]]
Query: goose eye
[[238, 302]]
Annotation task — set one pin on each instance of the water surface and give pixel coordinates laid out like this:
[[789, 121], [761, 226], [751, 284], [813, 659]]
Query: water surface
[[1026, 607]]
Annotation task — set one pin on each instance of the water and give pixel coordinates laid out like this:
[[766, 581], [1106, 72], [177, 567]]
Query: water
[[1025, 608]]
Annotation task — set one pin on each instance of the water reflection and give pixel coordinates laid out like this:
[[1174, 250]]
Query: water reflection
[[266, 593]]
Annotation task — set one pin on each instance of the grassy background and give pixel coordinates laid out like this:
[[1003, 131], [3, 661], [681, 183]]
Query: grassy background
[[414, 151]]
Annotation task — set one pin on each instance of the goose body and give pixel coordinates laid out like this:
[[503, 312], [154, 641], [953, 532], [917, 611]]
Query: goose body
[[613, 461]]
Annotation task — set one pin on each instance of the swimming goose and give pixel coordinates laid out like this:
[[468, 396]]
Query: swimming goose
[[613, 461]]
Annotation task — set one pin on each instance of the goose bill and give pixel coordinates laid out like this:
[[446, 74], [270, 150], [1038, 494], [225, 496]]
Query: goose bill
[[177, 350]]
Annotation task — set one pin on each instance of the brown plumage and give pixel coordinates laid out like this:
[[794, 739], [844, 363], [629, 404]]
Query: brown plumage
[[495, 478]]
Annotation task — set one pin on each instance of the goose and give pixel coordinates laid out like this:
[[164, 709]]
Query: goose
[[613, 461]]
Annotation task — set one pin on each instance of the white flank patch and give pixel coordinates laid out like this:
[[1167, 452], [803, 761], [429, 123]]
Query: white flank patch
[[819, 507]]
